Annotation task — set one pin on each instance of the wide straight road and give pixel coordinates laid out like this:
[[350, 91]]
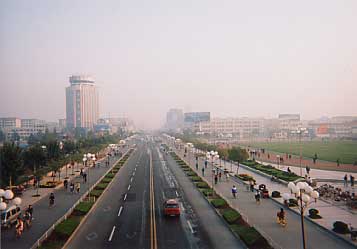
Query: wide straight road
[[44, 216], [130, 215]]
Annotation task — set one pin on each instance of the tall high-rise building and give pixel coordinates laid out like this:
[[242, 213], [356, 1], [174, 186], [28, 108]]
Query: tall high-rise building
[[82, 107], [174, 119]]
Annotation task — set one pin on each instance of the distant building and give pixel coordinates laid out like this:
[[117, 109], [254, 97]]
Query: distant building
[[62, 123], [9, 123], [289, 122], [82, 107], [174, 120], [193, 120]]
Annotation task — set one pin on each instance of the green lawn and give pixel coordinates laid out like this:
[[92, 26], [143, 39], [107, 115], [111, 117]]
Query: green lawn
[[346, 151]]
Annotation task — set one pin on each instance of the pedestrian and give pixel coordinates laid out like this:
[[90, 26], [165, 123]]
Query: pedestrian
[[338, 162], [345, 181], [71, 187], [308, 170], [206, 162], [65, 184], [78, 187], [203, 171], [215, 179], [257, 197], [227, 176], [289, 171], [220, 176], [81, 173], [52, 200], [234, 191], [251, 184], [352, 179], [196, 165], [30, 210], [85, 177]]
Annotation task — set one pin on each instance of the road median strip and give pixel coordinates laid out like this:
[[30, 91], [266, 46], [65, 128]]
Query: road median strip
[[64, 232]]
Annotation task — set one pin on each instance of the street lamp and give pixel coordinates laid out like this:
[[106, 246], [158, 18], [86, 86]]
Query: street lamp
[[5, 197], [304, 193], [300, 131]]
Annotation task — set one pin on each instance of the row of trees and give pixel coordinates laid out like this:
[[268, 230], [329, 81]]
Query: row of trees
[[46, 153]]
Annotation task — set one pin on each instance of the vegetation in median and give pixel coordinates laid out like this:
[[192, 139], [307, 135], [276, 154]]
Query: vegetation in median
[[219, 203]]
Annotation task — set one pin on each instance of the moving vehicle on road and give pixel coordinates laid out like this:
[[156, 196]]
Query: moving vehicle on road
[[9, 216], [171, 208]]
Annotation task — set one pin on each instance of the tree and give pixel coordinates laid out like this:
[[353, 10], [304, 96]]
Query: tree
[[11, 163], [237, 154], [15, 136], [34, 158], [53, 150]]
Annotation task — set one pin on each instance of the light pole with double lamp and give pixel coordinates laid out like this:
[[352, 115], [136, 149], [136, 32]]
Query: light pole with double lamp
[[300, 131], [5, 197], [212, 155], [303, 193]]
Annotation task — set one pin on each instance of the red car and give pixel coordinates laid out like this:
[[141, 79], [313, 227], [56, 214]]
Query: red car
[[171, 208]]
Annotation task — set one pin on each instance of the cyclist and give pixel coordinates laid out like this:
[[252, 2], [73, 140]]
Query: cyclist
[[281, 217], [28, 218], [257, 197], [234, 191], [52, 199], [19, 227]]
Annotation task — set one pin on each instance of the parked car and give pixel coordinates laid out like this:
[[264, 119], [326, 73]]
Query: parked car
[[9, 216], [171, 208]]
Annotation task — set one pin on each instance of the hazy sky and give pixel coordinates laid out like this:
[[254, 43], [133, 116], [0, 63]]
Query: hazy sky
[[233, 58]]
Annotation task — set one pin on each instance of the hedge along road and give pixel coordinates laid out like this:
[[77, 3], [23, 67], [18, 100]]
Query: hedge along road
[[125, 216], [44, 216]]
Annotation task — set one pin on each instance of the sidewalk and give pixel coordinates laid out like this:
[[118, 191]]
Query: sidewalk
[[44, 216], [263, 216]]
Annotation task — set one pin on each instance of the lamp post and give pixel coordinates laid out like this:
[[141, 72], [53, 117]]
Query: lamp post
[[5, 197], [213, 155], [300, 131], [304, 193]]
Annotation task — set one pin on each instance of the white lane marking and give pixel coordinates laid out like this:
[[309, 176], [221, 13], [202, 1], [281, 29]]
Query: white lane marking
[[125, 196], [176, 193], [131, 179], [135, 169], [189, 225], [134, 174], [120, 209], [111, 234], [128, 187]]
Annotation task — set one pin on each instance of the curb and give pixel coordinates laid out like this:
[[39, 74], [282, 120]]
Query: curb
[[94, 205]]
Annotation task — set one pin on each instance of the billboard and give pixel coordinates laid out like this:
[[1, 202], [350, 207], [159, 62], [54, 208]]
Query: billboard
[[197, 117]]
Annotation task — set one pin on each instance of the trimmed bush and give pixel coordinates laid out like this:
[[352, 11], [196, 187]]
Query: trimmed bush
[[340, 227], [275, 194], [231, 215], [110, 175], [207, 191], [314, 214], [96, 193], [293, 203], [248, 234], [66, 227], [196, 179], [218, 203], [83, 207], [101, 185], [202, 185], [106, 180], [191, 173]]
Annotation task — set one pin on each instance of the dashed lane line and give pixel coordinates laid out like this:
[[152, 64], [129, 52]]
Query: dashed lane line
[[125, 196], [120, 209], [111, 234], [129, 187]]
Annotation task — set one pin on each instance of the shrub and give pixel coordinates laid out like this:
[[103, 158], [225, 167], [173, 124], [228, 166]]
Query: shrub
[[110, 175], [196, 178], [84, 207], [231, 215], [66, 227], [314, 214], [101, 185], [293, 203], [248, 234], [207, 192], [106, 180], [219, 203], [191, 173], [340, 227], [96, 193], [275, 194], [202, 185]]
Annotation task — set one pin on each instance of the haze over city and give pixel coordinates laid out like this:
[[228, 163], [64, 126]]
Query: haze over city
[[232, 58]]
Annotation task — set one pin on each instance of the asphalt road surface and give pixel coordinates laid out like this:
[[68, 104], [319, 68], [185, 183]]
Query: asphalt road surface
[[44, 216], [130, 215]]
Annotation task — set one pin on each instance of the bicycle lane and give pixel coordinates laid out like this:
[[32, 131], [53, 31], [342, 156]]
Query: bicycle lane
[[263, 216], [44, 216]]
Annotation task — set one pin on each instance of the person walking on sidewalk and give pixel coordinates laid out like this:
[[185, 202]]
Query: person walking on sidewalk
[[234, 192], [352, 179], [203, 171], [84, 177], [251, 184], [65, 184], [71, 187], [220, 176], [215, 179], [52, 200], [196, 165], [345, 181], [227, 176], [257, 197], [78, 187]]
